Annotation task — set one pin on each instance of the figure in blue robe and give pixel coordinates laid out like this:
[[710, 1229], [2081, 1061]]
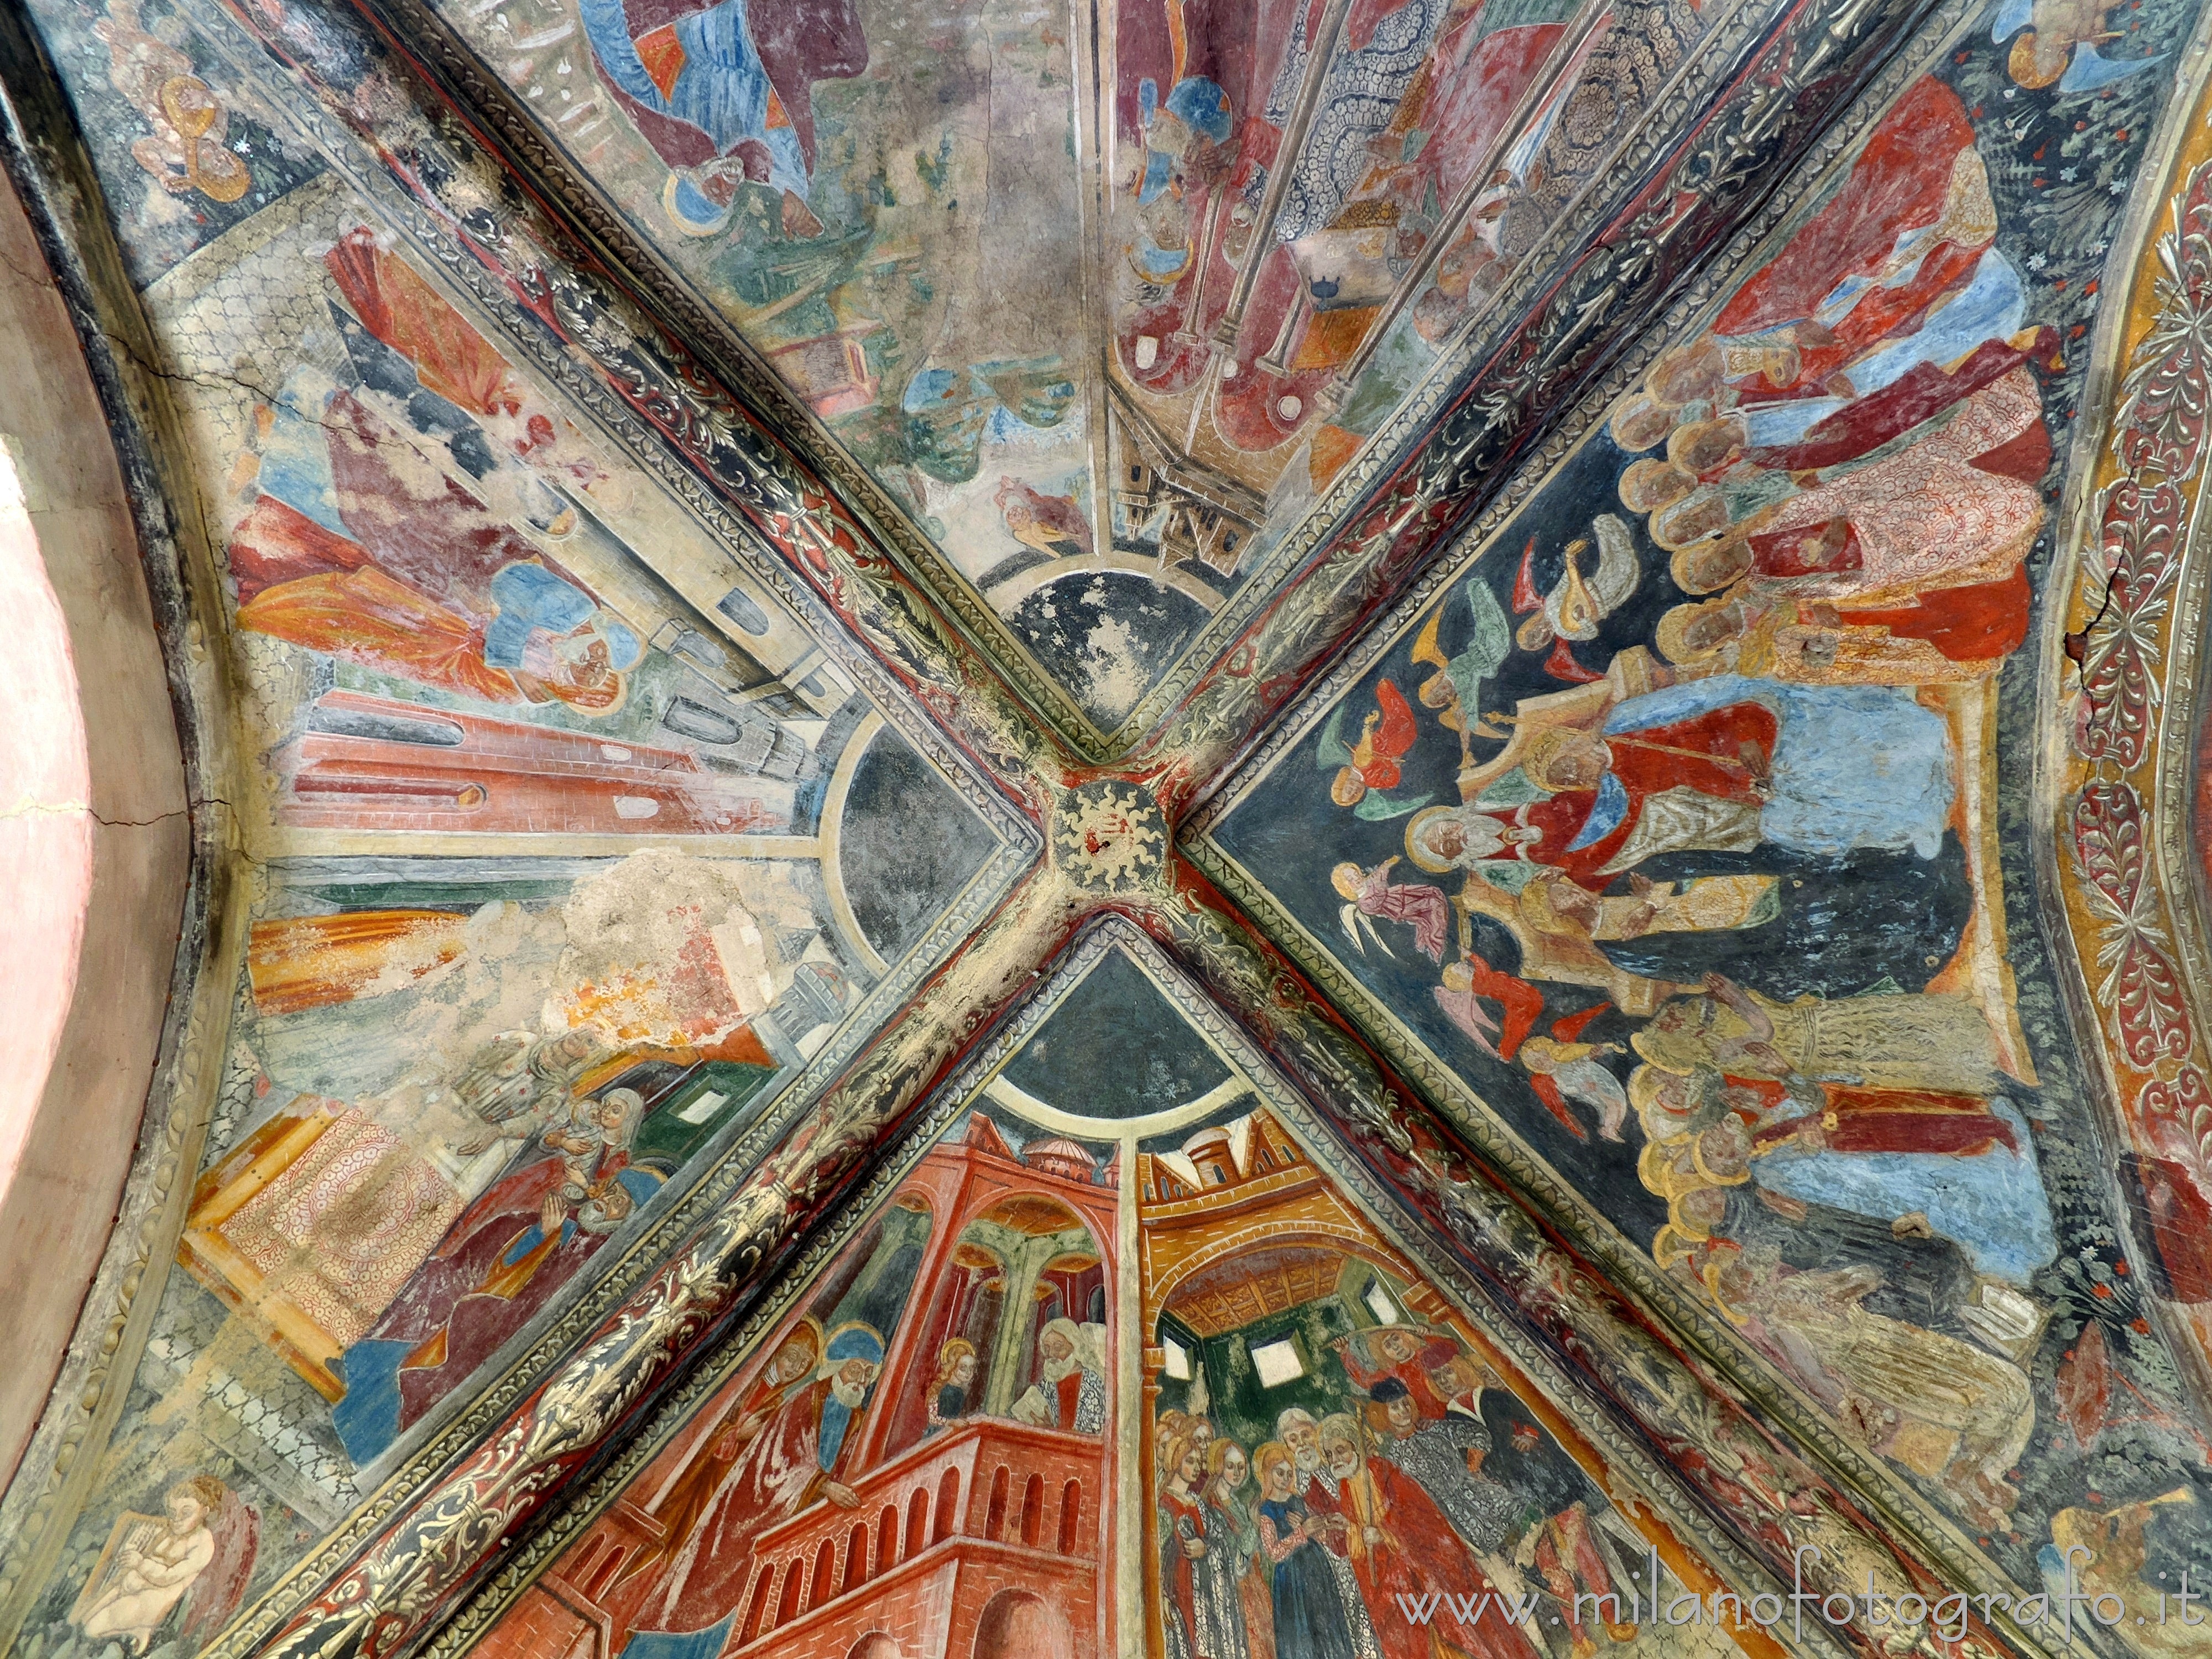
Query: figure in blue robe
[[1310, 1620], [1992, 1206], [1854, 766], [723, 94]]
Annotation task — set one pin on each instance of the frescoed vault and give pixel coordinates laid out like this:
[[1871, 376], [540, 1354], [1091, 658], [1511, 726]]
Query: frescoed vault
[[1046, 1292], [1143, 829]]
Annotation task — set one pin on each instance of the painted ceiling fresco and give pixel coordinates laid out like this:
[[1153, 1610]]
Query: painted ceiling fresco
[[1203, 829], [1665, 827], [1269, 222], [1157, 1318], [566, 868]]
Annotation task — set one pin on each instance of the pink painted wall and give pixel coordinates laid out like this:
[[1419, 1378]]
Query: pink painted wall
[[94, 845], [46, 825]]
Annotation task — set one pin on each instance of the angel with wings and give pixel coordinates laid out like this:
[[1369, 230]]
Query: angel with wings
[[1456, 689], [1563, 1068], [1368, 770], [1370, 897], [1577, 604]]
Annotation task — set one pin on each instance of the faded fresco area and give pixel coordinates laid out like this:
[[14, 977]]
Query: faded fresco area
[[436, 589], [1673, 827], [980, 1429], [1651, 1020], [1103, 351], [567, 862]]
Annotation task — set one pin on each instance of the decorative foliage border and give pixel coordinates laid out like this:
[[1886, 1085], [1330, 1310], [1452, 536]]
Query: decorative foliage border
[[2118, 696], [1547, 1193], [1625, 1455], [1761, 1470]]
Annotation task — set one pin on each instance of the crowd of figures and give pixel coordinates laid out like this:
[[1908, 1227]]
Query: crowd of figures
[[1428, 1476], [1720, 867]]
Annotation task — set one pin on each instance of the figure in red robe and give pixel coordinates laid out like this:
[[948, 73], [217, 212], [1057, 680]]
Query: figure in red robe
[[1853, 1120], [806, 1452], [1405, 1352], [1926, 390], [1962, 503], [357, 546], [1372, 763], [1470, 980], [406, 313], [1054, 524], [736, 1435], [1401, 1545], [1974, 623], [1909, 225], [1182, 1542], [503, 1260]]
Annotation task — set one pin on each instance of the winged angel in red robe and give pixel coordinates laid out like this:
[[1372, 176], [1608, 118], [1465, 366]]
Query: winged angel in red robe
[[1368, 770]]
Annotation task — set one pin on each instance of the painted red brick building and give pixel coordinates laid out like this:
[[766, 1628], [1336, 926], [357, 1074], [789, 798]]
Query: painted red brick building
[[983, 1539]]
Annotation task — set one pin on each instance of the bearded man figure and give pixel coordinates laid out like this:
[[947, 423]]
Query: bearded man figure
[[805, 1451], [1070, 1392], [1322, 1491], [730, 1454]]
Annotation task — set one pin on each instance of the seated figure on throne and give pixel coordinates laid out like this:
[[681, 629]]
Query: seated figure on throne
[[523, 1238], [1632, 839], [332, 1218], [1728, 764]]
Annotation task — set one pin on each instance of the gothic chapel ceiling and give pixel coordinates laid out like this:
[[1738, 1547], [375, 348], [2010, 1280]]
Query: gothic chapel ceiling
[[1115, 829]]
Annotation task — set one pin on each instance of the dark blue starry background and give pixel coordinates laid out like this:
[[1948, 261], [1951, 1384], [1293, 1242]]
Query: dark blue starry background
[[154, 228]]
